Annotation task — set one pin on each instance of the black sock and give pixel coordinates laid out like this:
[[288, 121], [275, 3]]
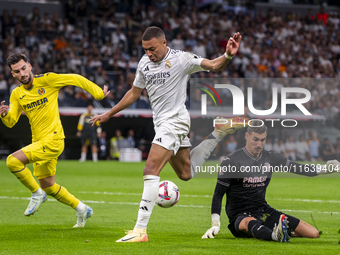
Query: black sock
[[259, 231]]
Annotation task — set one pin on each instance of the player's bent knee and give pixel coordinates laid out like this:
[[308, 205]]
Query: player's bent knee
[[13, 163], [9, 161], [184, 176]]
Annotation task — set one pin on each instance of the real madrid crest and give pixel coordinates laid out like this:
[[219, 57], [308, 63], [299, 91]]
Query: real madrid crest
[[41, 91], [167, 64]]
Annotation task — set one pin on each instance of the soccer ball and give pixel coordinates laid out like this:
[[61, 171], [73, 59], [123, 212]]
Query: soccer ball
[[168, 194]]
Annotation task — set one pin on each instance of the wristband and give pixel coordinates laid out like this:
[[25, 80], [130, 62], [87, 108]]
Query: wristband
[[227, 56], [215, 223], [215, 217]]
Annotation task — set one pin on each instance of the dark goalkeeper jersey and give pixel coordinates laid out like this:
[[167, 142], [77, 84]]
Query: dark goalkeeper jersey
[[245, 180]]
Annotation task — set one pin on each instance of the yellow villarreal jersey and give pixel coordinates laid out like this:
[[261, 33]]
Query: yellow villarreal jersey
[[40, 103]]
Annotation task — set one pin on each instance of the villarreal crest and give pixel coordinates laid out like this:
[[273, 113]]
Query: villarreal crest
[[41, 91]]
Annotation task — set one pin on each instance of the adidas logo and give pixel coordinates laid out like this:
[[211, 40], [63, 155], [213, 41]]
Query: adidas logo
[[144, 208], [159, 140], [146, 68]]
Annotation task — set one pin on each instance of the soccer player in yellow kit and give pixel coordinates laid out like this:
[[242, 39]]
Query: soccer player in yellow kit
[[38, 98]]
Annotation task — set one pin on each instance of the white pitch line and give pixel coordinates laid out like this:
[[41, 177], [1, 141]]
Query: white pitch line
[[306, 200], [178, 205], [288, 210], [184, 195]]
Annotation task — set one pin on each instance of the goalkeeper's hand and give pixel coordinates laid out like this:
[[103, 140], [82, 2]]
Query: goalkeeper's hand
[[213, 231], [332, 166]]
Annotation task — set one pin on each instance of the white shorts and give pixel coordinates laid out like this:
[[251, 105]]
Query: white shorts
[[173, 134]]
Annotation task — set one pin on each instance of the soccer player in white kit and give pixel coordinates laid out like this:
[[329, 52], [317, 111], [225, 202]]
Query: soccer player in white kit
[[164, 73]]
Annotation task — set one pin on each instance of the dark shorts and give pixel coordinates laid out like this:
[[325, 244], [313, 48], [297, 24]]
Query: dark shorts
[[267, 217], [92, 137]]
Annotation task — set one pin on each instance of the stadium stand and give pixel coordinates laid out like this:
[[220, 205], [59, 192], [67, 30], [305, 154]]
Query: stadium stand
[[102, 41]]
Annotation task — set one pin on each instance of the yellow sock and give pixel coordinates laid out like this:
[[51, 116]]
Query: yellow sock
[[22, 173], [62, 195]]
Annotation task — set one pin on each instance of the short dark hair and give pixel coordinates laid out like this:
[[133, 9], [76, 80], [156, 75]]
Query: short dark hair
[[15, 58], [153, 32], [257, 126]]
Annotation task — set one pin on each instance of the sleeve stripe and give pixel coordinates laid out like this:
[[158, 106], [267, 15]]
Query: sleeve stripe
[[223, 183]]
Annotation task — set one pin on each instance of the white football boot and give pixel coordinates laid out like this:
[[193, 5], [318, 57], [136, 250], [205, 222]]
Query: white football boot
[[36, 201], [280, 230], [82, 217], [134, 236]]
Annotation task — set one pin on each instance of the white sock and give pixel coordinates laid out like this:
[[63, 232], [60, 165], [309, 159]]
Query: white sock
[[150, 194], [80, 207], [95, 157], [38, 192], [83, 156], [274, 237], [202, 152]]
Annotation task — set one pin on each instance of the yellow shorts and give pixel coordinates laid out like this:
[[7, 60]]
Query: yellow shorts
[[44, 155]]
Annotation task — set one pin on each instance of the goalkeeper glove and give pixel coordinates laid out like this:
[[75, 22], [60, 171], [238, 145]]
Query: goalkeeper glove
[[224, 126], [213, 231], [332, 166]]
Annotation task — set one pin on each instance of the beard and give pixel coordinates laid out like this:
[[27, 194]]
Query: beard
[[28, 81]]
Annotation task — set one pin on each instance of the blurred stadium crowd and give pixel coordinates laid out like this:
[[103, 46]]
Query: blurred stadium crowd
[[301, 149], [102, 41]]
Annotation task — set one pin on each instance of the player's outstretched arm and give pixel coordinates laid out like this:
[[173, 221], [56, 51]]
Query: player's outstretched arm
[[218, 64], [61, 80], [216, 205], [129, 98]]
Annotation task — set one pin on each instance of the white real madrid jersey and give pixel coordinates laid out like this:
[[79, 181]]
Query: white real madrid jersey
[[166, 82]]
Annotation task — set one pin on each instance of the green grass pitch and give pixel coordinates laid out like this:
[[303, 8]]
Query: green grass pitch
[[113, 190]]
